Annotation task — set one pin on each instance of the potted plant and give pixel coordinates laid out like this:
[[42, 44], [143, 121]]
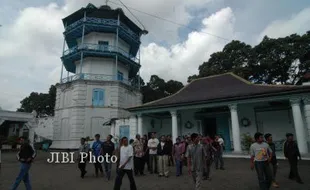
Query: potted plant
[[13, 141], [115, 140], [247, 141], [46, 144]]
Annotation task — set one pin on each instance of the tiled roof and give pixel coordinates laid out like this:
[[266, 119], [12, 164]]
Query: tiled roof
[[220, 87]]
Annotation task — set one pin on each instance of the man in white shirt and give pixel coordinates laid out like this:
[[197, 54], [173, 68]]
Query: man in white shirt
[[152, 145], [125, 165], [220, 140], [219, 145]]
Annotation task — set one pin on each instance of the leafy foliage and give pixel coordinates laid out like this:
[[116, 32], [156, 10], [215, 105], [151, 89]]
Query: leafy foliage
[[13, 140], [272, 61], [42, 103], [246, 141], [157, 88]]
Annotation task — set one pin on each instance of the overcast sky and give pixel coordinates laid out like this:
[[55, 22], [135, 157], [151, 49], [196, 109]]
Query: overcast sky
[[31, 36]]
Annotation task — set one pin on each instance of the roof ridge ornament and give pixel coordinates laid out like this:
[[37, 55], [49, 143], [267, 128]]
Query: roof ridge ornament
[[91, 6]]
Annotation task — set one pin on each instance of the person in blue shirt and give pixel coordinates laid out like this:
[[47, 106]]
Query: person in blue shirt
[[96, 149]]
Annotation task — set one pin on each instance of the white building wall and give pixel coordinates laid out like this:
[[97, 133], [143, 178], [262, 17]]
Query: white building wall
[[101, 66], [95, 37], [45, 128], [75, 117]]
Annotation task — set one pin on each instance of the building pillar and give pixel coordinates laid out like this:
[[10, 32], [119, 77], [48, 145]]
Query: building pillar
[[113, 128], [299, 126], [306, 101], [140, 121], [235, 127], [174, 120]]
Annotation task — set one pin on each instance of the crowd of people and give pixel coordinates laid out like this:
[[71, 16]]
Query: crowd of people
[[197, 152], [157, 155]]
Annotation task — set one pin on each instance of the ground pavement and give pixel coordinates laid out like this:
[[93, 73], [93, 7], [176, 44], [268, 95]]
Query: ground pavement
[[237, 175]]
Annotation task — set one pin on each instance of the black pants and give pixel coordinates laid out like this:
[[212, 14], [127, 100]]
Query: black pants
[[146, 158], [207, 169], [274, 167], [170, 160], [82, 167], [218, 157], [119, 179], [98, 167], [293, 169], [153, 163], [264, 174], [139, 165]]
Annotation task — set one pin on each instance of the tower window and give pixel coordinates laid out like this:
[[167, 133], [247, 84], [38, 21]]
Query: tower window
[[98, 97], [120, 76], [103, 45]]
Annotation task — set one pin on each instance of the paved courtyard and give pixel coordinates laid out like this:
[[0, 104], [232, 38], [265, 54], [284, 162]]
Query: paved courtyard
[[237, 175]]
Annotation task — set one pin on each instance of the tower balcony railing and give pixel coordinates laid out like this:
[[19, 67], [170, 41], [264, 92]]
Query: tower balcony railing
[[101, 49], [95, 77], [104, 23]]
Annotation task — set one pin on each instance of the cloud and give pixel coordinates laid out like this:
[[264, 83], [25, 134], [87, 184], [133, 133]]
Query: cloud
[[31, 46], [175, 10], [183, 59], [298, 23]]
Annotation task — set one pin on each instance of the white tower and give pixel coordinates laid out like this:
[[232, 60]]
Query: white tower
[[102, 74]]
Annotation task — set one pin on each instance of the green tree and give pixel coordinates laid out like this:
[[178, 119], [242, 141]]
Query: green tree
[[282, 60], [235, 57], [272, 61], [172, 87], [158, 88], [42, 103]]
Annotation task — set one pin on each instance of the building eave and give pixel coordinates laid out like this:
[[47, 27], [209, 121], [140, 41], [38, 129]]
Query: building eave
[[218, 101]]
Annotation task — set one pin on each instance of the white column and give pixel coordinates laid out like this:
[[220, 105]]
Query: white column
[[299, 126], [174, 125], [235, 127], [140, 120], [306, 101], [113, 128]]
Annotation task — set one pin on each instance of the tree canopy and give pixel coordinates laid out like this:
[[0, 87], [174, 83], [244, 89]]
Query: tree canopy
[[158, 88], [42, 103], [272, 61]]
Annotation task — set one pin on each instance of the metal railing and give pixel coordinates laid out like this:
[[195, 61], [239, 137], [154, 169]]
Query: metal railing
[[103, 22], [101, 49], [95, 77]]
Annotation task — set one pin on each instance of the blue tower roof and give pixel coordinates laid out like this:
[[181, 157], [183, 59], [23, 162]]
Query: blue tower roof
[[102, 19], [102, 12], [106, 20]]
